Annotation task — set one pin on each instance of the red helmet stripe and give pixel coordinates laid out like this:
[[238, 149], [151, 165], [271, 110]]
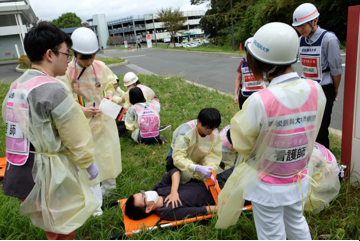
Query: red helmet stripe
[[307, 15]]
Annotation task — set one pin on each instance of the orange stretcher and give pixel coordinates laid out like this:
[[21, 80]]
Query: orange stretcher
[[153, 221], [2, 166]]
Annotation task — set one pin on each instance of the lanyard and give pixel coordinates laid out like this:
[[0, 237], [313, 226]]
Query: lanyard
[[75, 80]]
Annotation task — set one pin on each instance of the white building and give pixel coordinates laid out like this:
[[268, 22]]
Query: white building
[[135, 28], [16, 18]]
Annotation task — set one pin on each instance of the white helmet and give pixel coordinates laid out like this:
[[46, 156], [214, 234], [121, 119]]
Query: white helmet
[[117, 79], [304, 14], [247, 42], [275, 43], [130, 78], [84, 41]]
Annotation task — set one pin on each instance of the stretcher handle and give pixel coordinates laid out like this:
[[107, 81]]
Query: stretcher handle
[[211, 183]]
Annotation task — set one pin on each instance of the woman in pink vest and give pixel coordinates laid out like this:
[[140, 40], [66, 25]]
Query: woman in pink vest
[[143, 119], [275, 134]]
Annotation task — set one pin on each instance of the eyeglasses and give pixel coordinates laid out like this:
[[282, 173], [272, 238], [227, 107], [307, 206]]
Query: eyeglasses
[[143, 195], [209, 129], [68, 55]]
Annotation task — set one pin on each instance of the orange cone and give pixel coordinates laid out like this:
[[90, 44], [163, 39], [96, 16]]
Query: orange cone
[[240, 47]]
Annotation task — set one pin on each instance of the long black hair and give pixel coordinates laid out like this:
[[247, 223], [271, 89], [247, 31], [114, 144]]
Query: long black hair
[[136, 96]]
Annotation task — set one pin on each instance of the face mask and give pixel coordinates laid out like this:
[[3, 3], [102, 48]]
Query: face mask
[[152, 196]]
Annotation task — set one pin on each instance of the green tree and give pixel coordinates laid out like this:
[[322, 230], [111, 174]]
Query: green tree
[[173, 21], [334, 14], [67, 20], [250, 15]]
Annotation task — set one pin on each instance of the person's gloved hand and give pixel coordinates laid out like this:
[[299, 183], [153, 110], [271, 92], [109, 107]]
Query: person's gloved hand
[[93, 171], [214, 180], [204, 170]]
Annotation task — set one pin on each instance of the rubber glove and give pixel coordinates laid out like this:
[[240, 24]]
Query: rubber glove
[[204, 170], [213, 179], [93, 171]]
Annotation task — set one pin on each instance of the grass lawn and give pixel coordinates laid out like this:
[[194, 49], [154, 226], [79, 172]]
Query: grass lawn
[[211, 48], [4, 60], [108, 61], [143, 166]]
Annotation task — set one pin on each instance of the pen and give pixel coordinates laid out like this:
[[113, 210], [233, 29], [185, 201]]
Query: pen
[[93, 106]]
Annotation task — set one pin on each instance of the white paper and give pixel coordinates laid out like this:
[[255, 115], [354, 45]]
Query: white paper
[[109, 108]]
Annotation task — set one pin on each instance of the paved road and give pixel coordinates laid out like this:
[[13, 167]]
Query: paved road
[[216, 71]]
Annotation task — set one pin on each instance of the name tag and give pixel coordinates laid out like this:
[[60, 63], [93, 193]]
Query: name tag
[[13, 130]]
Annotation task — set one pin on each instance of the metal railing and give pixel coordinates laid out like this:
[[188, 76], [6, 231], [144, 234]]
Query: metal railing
[[126, 20]]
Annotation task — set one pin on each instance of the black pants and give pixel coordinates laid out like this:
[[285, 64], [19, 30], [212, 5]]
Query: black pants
[[241, 99], [323, 136]]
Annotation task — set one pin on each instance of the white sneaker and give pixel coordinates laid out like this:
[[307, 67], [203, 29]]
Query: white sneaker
[[165, 128]]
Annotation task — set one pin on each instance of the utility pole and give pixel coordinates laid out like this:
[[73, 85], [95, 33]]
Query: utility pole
[[232, 28]]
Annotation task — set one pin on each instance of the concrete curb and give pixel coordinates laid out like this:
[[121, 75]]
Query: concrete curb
[[17, 69], [210, 53], [8, 62], [118, 64], [336, 132]]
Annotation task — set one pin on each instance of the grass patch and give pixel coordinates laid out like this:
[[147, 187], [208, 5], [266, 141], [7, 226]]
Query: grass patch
[[4, 60], [108, 61], [209, 48], [144, 165], [343, 45], [121, 48]]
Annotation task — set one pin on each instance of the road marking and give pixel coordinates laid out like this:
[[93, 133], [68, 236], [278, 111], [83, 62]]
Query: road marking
[[139, 69], [343, 54], [133, 56]]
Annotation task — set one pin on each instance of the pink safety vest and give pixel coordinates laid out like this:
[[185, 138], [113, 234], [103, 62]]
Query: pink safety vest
[[289, 141], [224, 138], [155, 101], [192, 123], [17, 145], [148, 120]]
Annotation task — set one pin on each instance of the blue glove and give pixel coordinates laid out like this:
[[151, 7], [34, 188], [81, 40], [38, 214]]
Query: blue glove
[[204, 170], [93, 171]]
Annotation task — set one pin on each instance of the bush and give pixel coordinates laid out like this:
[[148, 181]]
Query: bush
[[24, 62]]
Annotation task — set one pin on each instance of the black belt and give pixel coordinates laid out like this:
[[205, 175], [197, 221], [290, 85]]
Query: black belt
[[326, 70]]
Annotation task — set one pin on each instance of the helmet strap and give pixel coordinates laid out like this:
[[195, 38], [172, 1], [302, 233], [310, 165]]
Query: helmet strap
[[312, 30], [272, 70]]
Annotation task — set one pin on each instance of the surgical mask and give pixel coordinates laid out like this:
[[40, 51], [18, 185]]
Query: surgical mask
[[152, 196]]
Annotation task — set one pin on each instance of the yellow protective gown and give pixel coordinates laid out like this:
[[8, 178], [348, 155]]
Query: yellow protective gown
[[325, 183], [190, 148], [103, 127], [149, 96], [60, 201], [255, 136], [118, 95]]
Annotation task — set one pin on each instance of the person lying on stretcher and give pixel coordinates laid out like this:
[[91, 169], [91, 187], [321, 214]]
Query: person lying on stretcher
[[171, 200]]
